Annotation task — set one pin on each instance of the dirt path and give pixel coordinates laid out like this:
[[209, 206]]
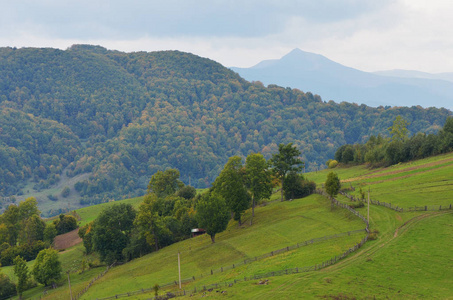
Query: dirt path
[[377, 246]]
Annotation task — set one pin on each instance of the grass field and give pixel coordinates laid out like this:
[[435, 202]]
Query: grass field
[[418, 183], [411, 257]]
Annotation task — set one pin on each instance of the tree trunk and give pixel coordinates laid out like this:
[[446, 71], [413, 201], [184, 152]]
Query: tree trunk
[[253, 210], [156, 241], [281, 191], [213, 238]]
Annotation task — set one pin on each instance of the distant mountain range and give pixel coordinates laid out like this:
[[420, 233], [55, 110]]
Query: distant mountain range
[[315, 73]]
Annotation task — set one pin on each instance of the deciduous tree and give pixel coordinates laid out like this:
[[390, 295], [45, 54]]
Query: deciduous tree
[[332, 185], [230, 184], [47, 268], [22, 273], [111, 231], [212, 214], [259, 181], [286, 160], [165, 183]]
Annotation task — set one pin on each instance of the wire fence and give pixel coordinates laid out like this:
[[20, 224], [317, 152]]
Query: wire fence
[[80, 294], [213, 286], [400, 209], [259, 276]]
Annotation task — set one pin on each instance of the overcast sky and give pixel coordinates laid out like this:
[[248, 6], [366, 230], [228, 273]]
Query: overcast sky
[[369, 35]]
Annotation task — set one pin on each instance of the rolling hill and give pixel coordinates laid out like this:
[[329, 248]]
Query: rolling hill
[[102, 122], [407, 259], [319, 75]]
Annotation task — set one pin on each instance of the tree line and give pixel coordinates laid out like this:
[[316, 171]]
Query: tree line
[[124, 116], [399, 147], [24, 236], [171, 209]]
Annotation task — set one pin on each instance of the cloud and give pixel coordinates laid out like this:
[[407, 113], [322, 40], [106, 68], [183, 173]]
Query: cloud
[[172, 18], [365, 34]]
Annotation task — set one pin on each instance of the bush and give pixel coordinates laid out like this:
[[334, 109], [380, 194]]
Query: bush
[[27, 251], [66, 191], [333, 164], [52, 198], [373, 235], [296, 186], [65, 224], [7, 287], [357, 204]]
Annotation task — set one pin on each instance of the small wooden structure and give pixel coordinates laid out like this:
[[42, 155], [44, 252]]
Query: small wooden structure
[[197, 232]]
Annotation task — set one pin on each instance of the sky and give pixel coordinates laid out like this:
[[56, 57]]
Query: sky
[[370, 35]]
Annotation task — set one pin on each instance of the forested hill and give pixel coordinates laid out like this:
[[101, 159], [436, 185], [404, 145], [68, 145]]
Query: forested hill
[[123, 116]]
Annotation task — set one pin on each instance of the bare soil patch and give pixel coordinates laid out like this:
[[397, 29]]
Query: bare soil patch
[[64, 241]]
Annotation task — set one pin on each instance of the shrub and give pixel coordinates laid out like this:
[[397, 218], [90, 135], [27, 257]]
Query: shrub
[[7, 287], [333, 164], [357, 204], [65, 224], [66, 191], [52, 198]]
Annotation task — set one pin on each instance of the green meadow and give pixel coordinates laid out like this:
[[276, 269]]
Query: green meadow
[[409, 257]]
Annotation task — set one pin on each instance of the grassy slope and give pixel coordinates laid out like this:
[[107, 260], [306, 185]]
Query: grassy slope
[[422, 182], [275, 226], [411, 259], [88, 214], [401, 263]]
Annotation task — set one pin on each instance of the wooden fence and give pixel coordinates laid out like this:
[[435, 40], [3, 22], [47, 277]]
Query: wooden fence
[[400, 209], [196, 289], [269, 274]]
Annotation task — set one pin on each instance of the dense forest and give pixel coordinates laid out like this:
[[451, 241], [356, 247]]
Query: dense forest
[[124, 116]]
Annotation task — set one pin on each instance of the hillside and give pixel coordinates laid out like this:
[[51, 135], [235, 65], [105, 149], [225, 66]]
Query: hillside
[[406, 260], [116, 118], [320, 75]]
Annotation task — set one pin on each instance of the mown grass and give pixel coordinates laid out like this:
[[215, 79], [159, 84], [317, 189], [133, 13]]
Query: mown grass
[[410, 259], [89, 214], [418, 183], [276, 225]]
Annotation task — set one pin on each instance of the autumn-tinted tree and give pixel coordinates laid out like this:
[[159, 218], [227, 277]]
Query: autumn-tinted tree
[[86, 233], [258, 178], [399, 131], [230, 184], [284, 161], [47, 268], [212, 214], [111, 231]]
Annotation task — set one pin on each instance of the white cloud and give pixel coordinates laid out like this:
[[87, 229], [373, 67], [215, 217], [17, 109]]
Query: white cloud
[[368, 35]]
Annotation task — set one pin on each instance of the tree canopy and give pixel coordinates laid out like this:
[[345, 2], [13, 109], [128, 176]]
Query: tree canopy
[[111, 231], [230, 184], [212, 214], [47, 268], [284, 161], [258, 178], [121, 117]]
